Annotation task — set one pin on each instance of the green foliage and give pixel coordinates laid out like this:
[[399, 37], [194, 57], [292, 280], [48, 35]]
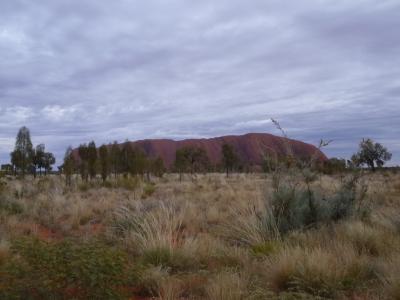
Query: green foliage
[[84, 157], [125, 158], [48, 161], [22, 155], [68, 166], [192, 159], [297, 208], [92, 159], [104, 162], [65, 270], [115, 158], [229, 158], [138, 163], [181, 164], [371, 154], [157, 167], [296, 204]]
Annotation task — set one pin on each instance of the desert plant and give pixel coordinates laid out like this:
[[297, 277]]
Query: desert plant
[[372, 154], [249, 226], [158, 229], [319, 272], [226, 286], [297, 204]]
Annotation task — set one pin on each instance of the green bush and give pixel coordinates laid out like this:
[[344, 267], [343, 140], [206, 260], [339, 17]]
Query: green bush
[[41, 270], [301, 207]]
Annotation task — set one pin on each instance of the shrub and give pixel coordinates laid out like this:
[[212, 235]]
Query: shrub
[[318, 271], [41, 270], [369, 240], [297, 207], [226, 286], [158, 229], [249, 227]]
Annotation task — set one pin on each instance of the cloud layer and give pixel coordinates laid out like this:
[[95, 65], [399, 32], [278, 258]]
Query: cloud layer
[[73, 71]]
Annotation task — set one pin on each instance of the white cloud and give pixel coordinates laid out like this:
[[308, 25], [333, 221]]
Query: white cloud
[[199, 68], [58, 113], [16, 115]]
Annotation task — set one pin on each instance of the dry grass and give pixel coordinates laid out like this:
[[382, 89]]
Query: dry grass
[[226, 285], [214, 237]]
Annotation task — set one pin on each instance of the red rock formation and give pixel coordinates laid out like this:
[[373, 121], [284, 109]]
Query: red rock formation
[[249, 147]]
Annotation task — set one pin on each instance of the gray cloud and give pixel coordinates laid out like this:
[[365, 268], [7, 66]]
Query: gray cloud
[[82, 70]]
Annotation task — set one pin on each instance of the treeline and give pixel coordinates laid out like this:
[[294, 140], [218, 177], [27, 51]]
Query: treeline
[[110, 160], [114, 160], [26, 159]]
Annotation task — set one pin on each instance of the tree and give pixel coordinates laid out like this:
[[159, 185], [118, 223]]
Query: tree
[[371, 154], [197, 158], [229, 158], [157, 167], [138, 163], [38, 158], [115, 158], [104, 162], [191, 158], [22, 155], [181, 162], [48, 161], [126, 158], [68, 166], [83, 166], [92, 159]]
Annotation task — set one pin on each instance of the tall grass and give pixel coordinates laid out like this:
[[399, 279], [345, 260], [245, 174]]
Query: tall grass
[[160, 228]]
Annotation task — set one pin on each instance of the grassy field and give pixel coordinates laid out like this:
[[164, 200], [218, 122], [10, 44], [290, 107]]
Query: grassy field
[[207, 237]]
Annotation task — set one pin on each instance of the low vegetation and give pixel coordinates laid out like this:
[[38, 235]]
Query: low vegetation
[[211, 237], [112, 229]]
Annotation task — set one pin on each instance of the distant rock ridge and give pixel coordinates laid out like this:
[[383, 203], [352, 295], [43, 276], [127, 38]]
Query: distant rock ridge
[[250, 147]]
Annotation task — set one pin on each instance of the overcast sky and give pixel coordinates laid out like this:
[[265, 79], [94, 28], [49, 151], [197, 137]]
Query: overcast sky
[[73, 71]]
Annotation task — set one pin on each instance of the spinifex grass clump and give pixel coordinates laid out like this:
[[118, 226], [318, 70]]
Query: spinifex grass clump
[[156, 236], [161, 228]]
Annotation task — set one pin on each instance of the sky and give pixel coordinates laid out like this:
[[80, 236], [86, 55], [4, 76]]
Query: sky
[[75, 71]]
